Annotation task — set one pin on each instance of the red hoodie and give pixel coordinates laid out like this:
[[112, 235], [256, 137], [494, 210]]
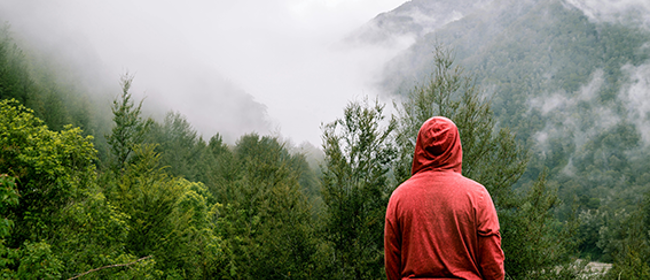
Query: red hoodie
[[439, 224]]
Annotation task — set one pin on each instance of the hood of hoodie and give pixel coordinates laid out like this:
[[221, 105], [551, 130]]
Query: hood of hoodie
[[438, 147]]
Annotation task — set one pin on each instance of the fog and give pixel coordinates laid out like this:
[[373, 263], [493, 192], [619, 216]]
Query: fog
[[615, 11], [568, 113], [580, 117], [268, 66], [637, 98]]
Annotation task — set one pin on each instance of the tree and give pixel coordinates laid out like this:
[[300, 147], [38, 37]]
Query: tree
[[264, 218], [52, 169], [30, 79], [355, 189], [129, 130], [626, 237], [58, 216], [220, 168], [8, 197], [168, 217], [179, 145]]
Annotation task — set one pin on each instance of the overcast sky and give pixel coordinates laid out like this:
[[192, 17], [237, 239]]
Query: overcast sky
[[285, 53]]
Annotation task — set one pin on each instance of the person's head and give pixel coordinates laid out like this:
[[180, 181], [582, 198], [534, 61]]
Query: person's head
[[438, 146]]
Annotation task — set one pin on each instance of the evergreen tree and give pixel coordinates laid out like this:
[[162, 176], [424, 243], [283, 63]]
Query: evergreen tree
[[627, 240], [264, 218], [179, 145], [168, 218], [130, 128], [355, 189]]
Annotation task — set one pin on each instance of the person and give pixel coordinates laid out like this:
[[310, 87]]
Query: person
[[440, 224]]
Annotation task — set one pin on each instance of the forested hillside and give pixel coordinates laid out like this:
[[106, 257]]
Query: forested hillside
[[550, 105], [572, 84]]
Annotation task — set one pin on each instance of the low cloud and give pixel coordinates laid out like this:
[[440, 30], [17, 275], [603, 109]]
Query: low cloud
[[636, 98], [569, 117], [269, 66], [619, 11]]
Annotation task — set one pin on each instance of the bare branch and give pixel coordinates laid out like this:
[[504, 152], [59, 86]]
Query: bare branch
[[109, 266]]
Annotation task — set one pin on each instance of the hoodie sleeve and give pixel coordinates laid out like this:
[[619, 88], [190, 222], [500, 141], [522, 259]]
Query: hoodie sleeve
[[490, 255], [392, 248]]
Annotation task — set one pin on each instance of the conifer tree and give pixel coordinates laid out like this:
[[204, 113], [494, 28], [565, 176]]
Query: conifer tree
[[178, 143], [264, 217], [355, 188], [130, 128]]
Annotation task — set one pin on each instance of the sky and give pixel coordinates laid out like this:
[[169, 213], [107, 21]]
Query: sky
[[283, 59]]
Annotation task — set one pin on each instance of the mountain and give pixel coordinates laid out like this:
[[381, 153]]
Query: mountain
[[414, 18], [570, 78]]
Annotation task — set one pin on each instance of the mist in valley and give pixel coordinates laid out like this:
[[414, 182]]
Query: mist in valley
[[270, 67]]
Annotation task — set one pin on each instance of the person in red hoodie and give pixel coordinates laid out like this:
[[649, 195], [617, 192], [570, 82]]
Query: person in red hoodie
[[440, 224]]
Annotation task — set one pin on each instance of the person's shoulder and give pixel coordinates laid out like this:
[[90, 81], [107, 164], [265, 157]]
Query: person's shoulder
[[474, 185], [470, 181], [401, 188], [406, 188]]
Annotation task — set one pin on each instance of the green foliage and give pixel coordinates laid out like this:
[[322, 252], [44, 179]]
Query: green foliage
[[92, 234], [537, 242], [355, 189], [179, 145], [15, 82], [200, 251], [8, 197], [38, 262], [626, 237], [147, 196], [129, 130], [167, 217], [59, 217], [124, 267], [264, 218], [51, 168], [631, 266]]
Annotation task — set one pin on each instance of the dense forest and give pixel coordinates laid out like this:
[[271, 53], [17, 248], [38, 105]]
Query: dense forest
[[98, 190]]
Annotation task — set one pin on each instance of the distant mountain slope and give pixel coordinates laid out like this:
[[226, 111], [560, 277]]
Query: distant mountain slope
[[571, 78], [414, 18]]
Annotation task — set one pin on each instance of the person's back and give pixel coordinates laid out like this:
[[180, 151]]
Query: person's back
[[440, 224]]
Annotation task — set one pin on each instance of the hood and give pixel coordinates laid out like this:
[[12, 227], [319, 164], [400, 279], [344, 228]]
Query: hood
[[438, 147]]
